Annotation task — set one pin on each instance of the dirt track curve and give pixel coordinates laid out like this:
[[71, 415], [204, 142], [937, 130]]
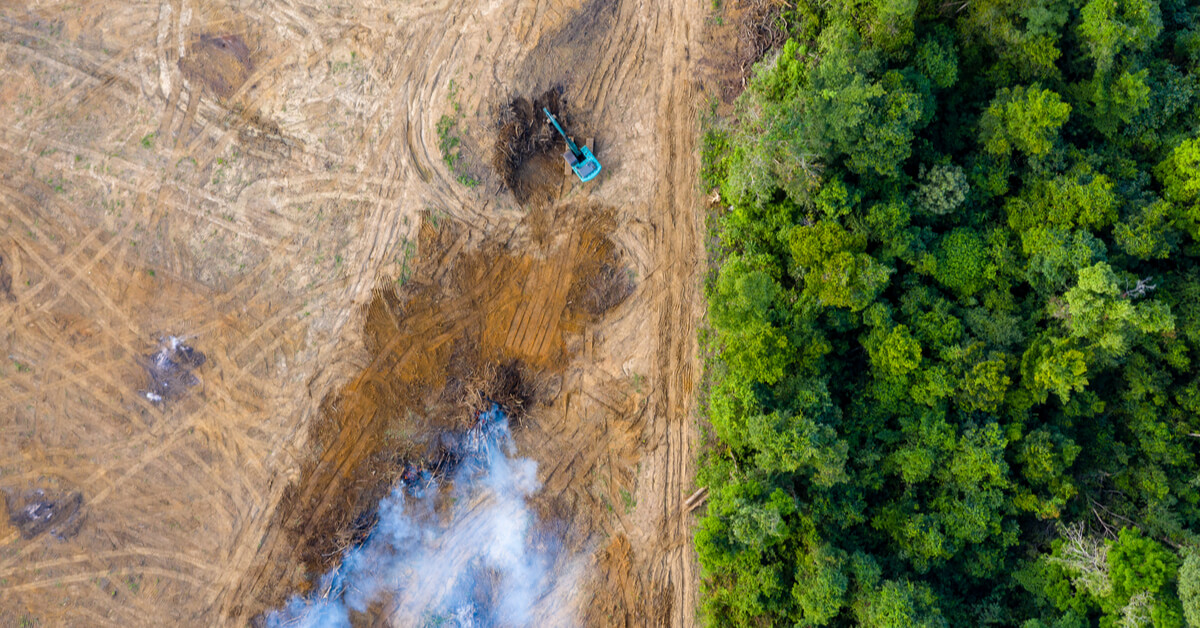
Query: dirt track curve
[[247, 176]]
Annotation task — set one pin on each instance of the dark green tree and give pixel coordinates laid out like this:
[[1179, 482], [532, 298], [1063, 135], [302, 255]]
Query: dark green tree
[[954, 319]]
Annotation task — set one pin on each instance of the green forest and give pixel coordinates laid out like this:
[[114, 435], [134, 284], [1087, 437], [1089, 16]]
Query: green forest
[[953, 335]]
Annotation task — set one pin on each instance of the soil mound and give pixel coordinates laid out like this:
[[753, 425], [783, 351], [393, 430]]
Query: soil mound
[[601, 289]]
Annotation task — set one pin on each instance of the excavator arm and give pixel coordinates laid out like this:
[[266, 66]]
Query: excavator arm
[[581, 160]]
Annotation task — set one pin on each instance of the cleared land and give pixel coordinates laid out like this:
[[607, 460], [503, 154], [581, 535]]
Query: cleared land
[[304, 192]]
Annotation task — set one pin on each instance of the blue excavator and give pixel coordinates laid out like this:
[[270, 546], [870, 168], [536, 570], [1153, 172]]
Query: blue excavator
[[580, 158]]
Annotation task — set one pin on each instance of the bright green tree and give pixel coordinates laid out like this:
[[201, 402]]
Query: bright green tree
[[1180, 178], [833, 264], [1025, 119], [821, 584], [1109, 27], [896, 604], [1103, 314], [1189, 586], [742, 312], [962, 262]]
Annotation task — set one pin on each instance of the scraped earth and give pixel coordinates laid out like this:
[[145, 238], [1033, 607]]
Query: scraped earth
[[267, 186]]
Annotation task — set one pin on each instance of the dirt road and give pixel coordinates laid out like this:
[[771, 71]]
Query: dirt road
[[248, 178]]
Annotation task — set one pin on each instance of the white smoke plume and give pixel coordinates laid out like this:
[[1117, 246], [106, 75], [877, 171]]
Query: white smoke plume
[[484, 565]]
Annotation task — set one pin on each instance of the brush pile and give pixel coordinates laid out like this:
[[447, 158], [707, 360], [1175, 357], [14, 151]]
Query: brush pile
[[525, 154]]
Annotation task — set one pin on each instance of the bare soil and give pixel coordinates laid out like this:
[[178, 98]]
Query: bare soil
[[265, 183]]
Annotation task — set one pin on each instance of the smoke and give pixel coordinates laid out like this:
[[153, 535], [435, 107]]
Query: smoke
[[481, 564]]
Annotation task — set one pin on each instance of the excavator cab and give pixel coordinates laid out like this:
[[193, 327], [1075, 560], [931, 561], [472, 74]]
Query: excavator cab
[[580, 158]]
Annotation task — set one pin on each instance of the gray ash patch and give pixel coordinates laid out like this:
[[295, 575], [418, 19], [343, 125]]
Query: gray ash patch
[[171, 370], [38, 510]]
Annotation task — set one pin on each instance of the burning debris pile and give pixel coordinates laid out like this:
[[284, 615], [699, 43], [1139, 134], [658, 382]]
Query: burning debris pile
[[170, 370], [36, 511], [450, 546]]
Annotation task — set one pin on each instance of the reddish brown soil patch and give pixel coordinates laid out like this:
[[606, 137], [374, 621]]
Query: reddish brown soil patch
[[489, 325], [620, 607]]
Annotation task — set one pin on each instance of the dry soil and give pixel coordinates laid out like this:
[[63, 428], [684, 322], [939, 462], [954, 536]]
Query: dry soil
[[266, 181]]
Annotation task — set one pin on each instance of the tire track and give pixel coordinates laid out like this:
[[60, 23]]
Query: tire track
[[203, 479]]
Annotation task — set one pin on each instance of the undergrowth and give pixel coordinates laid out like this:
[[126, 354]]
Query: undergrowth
[[449, 141]]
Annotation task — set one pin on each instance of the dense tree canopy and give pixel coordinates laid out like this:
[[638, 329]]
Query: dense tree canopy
[[955, 319]]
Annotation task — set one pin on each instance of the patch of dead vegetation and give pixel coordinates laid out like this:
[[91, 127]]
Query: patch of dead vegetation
[[756, 28], [760, 30], [525, 154]]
